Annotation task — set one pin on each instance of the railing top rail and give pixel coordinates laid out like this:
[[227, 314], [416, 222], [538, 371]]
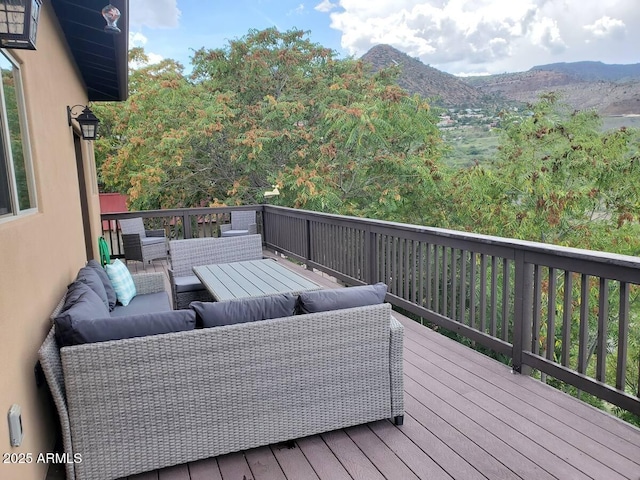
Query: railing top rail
[[178, 212], [550, 250]]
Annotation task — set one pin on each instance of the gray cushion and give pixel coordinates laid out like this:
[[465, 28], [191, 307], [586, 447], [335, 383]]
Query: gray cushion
[[336, 299], [189, 283], [147, 303], [111, 293], [234, 233], [152, 240], [81, 303], [91, 278], [104, 329], [214, 314]]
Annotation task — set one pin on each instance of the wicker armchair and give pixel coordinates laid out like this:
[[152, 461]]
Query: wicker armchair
[[140, 244], [242, 223]]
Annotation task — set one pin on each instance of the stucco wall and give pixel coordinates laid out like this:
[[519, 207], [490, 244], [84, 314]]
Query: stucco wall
[[41, 253]]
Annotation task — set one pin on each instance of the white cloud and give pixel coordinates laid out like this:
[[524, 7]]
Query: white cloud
[[154, 13], [488, 35], [325, 6], [137, 39], [607, 27]]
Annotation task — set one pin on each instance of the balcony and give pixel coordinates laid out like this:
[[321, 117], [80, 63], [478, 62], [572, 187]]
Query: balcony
[[467, 415]]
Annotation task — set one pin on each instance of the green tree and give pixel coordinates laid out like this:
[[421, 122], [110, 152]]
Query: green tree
[[274, 108], [558, 179]]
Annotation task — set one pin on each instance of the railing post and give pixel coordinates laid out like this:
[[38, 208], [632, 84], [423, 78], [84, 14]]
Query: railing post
[[371, 255], [186, 224], [307, 233], [523, 312]]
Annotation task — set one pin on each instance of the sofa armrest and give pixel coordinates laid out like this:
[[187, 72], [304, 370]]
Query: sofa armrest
[[225, 226], [49, 357], [253, 228], [395, 366], [149, 282]]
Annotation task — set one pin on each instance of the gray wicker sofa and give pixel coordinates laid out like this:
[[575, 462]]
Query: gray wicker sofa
[[185, 254], [138, 404]]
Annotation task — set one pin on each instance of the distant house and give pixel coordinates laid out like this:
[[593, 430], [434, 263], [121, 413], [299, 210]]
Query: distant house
[[49, 204], [112, 203]]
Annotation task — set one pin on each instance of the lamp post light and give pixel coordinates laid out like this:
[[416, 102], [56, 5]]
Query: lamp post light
[[87, 120], [19, 23]]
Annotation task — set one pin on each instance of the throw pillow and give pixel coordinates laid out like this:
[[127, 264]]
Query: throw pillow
[[336, 299], [215, 314], [81, 303], [91, 330], [122, 281], [111, 293], [91, 278]]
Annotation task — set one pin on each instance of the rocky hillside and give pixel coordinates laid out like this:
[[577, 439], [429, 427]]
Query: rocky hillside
[[580, 87], [416, 77], [611, 89]]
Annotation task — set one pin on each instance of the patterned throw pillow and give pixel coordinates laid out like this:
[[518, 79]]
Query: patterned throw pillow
[[122, 281]]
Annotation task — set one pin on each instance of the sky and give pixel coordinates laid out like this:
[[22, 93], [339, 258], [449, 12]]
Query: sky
[[461, 37]]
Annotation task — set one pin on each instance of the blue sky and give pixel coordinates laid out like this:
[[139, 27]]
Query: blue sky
[[457, 36]]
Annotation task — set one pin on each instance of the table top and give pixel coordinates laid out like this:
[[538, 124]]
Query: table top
[[253, 278]]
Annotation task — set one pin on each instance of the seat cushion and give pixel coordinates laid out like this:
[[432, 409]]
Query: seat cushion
[[91, 278], [122, 281], [152, 240], [111, 293], [189, 283], [336, 299], [104, 329], [234, 233], [147, 303], [215, 314]]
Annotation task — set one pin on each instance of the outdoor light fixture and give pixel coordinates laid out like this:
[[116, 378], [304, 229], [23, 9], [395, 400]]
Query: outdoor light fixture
[[19, 23], [87, 120], [111, 15]]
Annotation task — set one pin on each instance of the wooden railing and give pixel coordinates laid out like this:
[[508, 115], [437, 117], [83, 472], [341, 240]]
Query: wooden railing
[[564, 312]]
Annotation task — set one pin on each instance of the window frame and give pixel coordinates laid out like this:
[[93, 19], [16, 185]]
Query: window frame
[[5, 143]]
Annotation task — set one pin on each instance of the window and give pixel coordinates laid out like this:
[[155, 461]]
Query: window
[[17, 193]]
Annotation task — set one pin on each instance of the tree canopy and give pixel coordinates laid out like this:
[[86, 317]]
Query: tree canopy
[[272, 108]]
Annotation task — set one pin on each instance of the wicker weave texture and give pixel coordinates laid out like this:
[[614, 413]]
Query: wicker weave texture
[[132, 232], [185, 254], [146, 403]]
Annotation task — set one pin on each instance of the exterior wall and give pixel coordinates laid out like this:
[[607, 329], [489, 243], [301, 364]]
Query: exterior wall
[[41, 253]]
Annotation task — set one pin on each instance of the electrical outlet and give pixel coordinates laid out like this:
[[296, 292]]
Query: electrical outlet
[[15, 425]]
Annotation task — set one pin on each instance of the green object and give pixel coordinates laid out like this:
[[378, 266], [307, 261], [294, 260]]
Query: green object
[[103, 246]]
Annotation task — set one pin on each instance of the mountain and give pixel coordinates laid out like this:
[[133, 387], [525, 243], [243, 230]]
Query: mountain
[[579, 86], [610, 89], [594, 71], [416, 77]]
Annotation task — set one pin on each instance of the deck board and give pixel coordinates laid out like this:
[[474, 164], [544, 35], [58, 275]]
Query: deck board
[[467, 417]]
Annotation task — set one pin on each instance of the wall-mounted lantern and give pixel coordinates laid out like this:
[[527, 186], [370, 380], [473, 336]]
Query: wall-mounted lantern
[[87, 120], [19, 23], [111, 15]]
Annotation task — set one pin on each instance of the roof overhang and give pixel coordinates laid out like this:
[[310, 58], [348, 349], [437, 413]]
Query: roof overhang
[[102, 58]]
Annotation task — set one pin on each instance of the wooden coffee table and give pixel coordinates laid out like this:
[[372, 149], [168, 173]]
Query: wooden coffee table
[[253, 278]]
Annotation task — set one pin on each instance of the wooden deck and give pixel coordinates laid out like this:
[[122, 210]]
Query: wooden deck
[[467, 417]]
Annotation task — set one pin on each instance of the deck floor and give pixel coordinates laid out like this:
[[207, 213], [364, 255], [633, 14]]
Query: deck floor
[[466, 417]]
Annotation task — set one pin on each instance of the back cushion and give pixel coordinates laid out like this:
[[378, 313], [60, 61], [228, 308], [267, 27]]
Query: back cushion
[[91, 330], [81, 303], [215, 314], [336, 299], [92, 279], [111, 293]]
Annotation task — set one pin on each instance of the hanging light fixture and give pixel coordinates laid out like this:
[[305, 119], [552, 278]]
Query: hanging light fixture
[[111, 15], [87, 120], [19, 23]]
